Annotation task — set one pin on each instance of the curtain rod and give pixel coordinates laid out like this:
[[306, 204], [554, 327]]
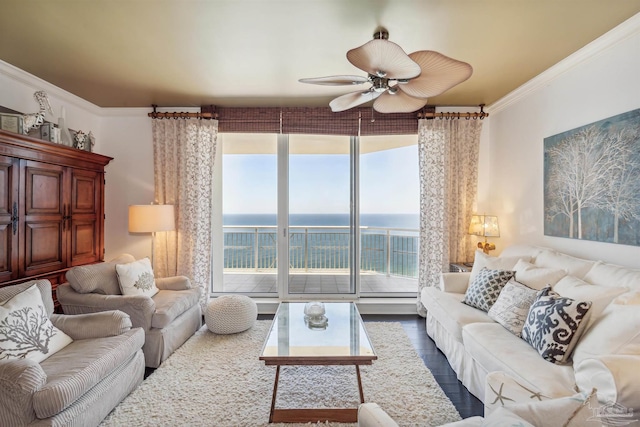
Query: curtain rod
[[176, 115], [450, 116]]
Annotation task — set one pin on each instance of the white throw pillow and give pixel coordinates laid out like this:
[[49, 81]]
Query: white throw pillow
[[483, 260], [574, 266], [502, 417], [572, 411], [616, 331], [604, 274], [512, 306], [537, 277], [25, 329], [136, 278], [600, 296]]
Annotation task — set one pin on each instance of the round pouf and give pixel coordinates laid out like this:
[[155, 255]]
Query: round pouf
[[230, 314]]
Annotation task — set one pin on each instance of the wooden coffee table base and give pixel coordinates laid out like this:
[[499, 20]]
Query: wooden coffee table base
[[338, 415]]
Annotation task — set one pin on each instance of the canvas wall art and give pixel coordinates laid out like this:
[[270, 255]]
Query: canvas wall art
[[592, 181]]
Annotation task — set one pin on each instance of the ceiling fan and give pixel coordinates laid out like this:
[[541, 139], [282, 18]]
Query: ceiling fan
[[400, 83]]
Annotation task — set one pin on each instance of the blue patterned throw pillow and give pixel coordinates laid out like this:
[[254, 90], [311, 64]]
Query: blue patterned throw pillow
[[485, 288], [554, 325]]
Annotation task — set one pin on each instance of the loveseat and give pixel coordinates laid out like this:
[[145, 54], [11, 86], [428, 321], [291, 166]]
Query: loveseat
[[499, 366], [169, 317], [91, 363]]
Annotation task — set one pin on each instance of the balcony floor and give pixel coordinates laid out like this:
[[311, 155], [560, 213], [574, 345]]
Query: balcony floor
[[317, 283]]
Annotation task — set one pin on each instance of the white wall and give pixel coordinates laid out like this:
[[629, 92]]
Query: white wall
[[126, 136], [563, 98]]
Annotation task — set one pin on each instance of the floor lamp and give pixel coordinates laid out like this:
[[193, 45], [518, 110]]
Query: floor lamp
[[151, 219]]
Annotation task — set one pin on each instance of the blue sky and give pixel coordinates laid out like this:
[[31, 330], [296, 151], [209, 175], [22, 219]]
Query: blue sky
[[319, 183]]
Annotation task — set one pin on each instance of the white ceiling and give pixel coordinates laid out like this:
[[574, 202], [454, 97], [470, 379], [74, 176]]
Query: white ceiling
[[134, 53]]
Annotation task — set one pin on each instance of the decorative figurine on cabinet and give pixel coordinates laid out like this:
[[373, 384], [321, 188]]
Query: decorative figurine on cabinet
[[35, 120]]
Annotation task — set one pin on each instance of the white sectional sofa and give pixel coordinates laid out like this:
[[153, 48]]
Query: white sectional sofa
[[498, 366]]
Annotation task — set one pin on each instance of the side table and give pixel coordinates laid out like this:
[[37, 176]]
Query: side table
[[460, 267]]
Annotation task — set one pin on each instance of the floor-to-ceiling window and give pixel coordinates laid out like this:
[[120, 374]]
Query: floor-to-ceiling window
[[316, 215]]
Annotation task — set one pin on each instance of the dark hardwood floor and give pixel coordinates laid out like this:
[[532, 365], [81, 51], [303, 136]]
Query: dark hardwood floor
[[415, 327], [466, 403]]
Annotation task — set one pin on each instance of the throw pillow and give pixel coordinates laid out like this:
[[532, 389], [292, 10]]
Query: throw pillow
[[570, 411], [136, 278], [554, 325], [512, 306], [537, 277], [485, 288], [25, 329], [483, 260], [600, 296]]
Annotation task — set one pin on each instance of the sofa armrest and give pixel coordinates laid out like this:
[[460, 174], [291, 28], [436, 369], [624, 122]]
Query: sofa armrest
[[616, 377], [19, 380], [176, 283], [455, 282], [140, 308], [93, 325], [372, 415]]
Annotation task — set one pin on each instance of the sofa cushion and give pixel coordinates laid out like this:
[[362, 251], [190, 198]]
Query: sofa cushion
[[537, 277], [570, 411], [136, 278], [616, 377], [512, 306], [483, 260], [485, 288], [171, 304], [616, 331], [80, 366], [574, 266], [496, 349], [600, 296], [448, 310], [604, 274], [25, 329], [100, 278], [554, 325]]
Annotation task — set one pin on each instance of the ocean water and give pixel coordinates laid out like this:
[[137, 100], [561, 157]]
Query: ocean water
[[381, 250], [409, 221]]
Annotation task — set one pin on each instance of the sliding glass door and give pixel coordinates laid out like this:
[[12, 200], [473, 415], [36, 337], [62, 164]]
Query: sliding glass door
[[320, 237], [316, 216]]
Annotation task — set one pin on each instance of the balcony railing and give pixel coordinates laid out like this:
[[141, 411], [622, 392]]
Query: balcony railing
[[389, 251]]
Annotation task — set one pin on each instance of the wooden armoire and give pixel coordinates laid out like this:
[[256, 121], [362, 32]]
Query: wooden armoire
[[51, 209]]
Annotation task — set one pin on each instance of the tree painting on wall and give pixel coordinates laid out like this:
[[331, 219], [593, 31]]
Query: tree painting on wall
[[592, 181]]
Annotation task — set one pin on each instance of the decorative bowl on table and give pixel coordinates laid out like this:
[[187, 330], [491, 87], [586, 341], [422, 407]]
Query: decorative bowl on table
[[314, 315]]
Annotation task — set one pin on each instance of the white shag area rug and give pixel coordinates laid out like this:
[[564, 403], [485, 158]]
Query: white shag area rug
[[217, 380]]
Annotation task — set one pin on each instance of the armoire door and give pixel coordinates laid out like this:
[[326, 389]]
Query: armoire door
[[85, 217], [9, 178], [44, 220]]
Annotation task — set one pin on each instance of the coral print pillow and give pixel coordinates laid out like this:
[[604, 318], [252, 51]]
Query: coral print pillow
[[25, 329], [136, 278]]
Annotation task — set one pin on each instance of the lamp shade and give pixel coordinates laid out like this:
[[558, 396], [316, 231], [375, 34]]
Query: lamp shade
[[484, 225], [151, 218]]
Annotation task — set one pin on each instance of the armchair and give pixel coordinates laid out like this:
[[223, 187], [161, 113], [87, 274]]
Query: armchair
[[79, 384], [168, 318]]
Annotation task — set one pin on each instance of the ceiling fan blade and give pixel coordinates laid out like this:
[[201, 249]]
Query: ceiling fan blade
[[439, 74], [382, 56], [341, 80], [399, 102], [352, 99]]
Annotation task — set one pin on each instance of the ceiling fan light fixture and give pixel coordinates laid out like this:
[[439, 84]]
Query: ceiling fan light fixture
[[393, 90]]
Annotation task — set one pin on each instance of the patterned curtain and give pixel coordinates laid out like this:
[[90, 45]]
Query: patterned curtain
[[448, 155], [183, 156]]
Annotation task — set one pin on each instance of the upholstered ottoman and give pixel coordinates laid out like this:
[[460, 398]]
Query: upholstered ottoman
[[230, 314]]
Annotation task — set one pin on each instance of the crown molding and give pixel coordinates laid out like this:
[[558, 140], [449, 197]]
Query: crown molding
[[28, 79], [624, 31]]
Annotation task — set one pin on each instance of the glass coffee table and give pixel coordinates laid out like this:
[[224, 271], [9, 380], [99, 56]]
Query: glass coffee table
[[337, 338]]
